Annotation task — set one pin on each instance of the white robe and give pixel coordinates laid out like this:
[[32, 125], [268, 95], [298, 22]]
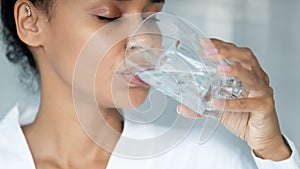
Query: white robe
[[222, 151]]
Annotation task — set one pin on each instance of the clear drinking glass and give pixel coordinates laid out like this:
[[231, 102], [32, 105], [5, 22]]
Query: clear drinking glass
[[165, 52]]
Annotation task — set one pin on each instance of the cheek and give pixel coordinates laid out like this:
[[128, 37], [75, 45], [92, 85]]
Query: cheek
[[63, 49], [111, 88], [109, 83]]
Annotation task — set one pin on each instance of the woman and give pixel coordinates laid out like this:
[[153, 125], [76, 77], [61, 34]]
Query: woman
[[50, 35]]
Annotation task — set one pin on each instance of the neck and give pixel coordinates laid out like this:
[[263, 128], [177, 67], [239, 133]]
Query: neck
[[58, 138]]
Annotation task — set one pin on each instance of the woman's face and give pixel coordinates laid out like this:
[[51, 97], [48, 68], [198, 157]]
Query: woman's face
[[72, 23]]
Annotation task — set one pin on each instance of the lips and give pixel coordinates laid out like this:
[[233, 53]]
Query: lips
[[134, 79]]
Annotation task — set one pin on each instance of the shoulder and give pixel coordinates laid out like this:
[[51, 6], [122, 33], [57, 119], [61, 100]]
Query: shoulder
[[14, 152]]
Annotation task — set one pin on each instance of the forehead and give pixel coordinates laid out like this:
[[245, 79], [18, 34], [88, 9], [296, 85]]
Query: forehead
[[120, 1], [93, 2]]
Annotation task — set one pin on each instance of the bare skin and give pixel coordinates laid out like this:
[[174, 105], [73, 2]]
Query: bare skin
[[56, 139], [253, 118]]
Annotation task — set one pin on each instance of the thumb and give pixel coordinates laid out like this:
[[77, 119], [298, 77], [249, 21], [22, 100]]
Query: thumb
[[187, 112]]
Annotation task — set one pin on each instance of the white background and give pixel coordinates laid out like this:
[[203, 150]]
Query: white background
[[269, 28]]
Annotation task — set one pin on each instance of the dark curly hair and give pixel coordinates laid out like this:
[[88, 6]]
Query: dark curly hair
[[17, 52]]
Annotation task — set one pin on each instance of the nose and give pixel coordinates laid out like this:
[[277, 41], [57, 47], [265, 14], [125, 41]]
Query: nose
[[139, 42], [139, 39]]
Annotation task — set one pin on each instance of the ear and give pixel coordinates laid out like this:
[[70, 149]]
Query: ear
[[27, 23]]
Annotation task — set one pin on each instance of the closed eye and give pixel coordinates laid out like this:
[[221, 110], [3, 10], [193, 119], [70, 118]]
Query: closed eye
[[106, 19]]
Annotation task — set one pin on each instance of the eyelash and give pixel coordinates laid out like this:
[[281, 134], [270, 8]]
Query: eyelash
[[106, 19]]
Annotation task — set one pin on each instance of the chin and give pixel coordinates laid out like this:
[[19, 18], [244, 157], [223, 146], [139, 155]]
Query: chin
[[132, 98], [138, 96]]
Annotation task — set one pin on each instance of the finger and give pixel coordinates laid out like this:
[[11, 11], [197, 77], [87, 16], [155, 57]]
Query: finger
[[209, 51], [187, 112], [206, 43], [244, 56], [227, 51], [249, 78], [218, 42], [262, 105], [217, 50], [230, 51]]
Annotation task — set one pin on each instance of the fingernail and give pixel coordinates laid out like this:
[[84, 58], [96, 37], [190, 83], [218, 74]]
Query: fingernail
[[178, 109], [224, 68], [212, 51], [217, 103], [204, 40]]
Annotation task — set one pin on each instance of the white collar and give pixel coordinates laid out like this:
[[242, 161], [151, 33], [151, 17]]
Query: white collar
[[15, 152]]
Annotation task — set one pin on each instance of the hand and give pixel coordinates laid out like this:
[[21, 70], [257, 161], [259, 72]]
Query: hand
[[252, 118]]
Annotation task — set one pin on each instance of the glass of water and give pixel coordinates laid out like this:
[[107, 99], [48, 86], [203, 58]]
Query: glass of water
[[165, 52]]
